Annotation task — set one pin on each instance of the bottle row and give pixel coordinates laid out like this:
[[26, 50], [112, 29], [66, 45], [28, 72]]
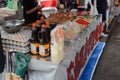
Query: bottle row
[[40, 40]]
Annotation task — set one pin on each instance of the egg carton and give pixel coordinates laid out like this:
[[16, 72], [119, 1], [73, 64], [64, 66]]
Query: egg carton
[[17, 50], [12, 42], [17, 47], [22, 36]]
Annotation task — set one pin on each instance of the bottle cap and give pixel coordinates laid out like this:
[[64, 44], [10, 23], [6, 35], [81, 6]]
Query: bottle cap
[[34, 25], [42, 18], [38, 21], [47, 23], [43, 25], [53, 19]]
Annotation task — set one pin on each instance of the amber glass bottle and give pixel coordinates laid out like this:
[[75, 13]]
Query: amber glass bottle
[[48, 29], [52, 23], [34, 40], [44, 46], [42, 20]]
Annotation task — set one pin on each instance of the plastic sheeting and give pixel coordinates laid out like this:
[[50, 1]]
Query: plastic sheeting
[[42, 70]]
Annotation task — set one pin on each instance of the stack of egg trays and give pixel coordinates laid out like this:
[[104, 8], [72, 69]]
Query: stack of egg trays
[[16, 41]]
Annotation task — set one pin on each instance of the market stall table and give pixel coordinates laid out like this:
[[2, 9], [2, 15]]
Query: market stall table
[[77, 53]]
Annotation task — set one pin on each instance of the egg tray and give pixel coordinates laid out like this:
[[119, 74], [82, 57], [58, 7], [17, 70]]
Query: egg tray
[[17, 48], [12, 42], [22, 36], [23, 47]]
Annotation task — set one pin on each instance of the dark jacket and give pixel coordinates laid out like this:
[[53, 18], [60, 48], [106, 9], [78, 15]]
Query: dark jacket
[[27, 5], [102, 4]]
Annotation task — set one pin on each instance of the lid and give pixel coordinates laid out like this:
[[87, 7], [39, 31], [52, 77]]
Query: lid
[[53, 19], [43, 26], [42, 18], [34, 25], [47, 23], [38, 21]]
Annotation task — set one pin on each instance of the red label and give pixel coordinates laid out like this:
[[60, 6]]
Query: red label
[[49, 3]]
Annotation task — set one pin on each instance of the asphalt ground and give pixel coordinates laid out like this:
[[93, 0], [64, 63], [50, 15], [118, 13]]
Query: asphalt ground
[[108, 67]]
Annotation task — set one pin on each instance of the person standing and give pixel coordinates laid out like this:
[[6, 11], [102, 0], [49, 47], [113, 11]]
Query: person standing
[[102, 9], [30, 10]]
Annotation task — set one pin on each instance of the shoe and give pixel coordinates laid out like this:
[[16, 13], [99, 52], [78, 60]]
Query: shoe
[[105, 28], [103, 35]]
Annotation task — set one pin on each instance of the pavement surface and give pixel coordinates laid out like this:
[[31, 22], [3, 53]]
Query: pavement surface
[[108, 67]]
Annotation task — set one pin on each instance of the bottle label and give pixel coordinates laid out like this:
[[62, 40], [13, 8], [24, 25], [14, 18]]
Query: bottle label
[[44, 50], [34, 48]]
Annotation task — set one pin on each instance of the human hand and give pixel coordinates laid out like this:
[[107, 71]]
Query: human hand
[[39, 7]]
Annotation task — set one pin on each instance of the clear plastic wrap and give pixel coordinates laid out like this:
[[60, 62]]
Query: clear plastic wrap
[[22, 36], [71, 30], [57, 44], [17, 41]]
